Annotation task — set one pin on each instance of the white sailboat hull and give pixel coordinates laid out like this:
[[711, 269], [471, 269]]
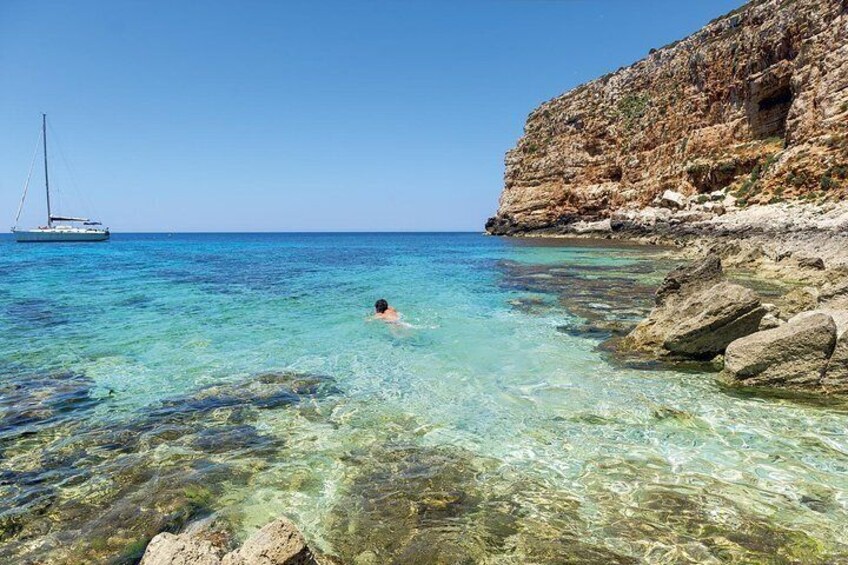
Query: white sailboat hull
[[47, 235]]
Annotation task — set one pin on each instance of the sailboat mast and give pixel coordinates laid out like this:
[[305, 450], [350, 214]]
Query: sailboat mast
[[46, 179]]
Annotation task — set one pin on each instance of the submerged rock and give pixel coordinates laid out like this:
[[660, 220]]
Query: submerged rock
[[113, 487], [31, 402], [792, 355], [418, 505], [587, 291], [693, 530], [414, 505]]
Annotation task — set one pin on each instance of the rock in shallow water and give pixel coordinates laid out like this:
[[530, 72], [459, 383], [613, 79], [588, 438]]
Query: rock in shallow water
[[587, 291], [277, 543], [82, 492], [792, 355], [31, 402], [183, 549], [698, 321], [710, 320], [698, 313]]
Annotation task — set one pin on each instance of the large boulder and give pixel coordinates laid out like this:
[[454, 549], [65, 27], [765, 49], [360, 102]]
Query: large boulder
[[277, 543], [182, 549], [793, 355], [698, 314], [708, 321], [672, 199]]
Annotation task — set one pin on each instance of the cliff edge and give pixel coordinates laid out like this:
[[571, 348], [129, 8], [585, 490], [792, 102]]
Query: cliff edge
[[750, 110]]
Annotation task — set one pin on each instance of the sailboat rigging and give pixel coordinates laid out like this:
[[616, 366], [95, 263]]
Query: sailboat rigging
[[59, 227]]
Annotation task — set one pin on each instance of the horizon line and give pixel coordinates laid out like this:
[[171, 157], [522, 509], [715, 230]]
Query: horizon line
[[317, 232]]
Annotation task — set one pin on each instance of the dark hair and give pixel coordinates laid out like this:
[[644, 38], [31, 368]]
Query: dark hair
[[381, 306]]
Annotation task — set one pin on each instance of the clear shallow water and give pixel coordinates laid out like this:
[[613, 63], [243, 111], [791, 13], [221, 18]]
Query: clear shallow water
[[492, 431]]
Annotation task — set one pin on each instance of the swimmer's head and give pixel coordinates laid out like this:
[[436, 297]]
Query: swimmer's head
[[381, 306]]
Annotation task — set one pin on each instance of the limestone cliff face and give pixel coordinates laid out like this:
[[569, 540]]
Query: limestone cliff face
[[755, 104]]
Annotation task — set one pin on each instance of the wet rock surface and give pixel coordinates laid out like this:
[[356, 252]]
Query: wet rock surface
[[836, 373], [75, 492]]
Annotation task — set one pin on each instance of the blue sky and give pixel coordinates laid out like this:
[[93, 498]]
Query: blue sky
[[297, 116]]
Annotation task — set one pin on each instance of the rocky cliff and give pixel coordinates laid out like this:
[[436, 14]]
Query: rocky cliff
[[752, 109]]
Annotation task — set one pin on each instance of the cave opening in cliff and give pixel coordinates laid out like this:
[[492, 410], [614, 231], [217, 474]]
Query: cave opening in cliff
[[771, 110], [616, 174]]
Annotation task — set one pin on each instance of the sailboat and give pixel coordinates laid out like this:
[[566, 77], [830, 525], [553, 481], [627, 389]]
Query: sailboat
[[58, 228]]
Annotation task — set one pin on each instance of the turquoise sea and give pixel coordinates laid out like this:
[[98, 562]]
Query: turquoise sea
[[158, 379]]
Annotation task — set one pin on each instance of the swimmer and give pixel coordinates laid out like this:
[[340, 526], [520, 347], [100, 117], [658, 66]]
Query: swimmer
[[385, 312]]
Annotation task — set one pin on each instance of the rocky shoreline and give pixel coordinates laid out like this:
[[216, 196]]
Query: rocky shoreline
[[796, 342], [799, 342], [774, 230], [733, 140]]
